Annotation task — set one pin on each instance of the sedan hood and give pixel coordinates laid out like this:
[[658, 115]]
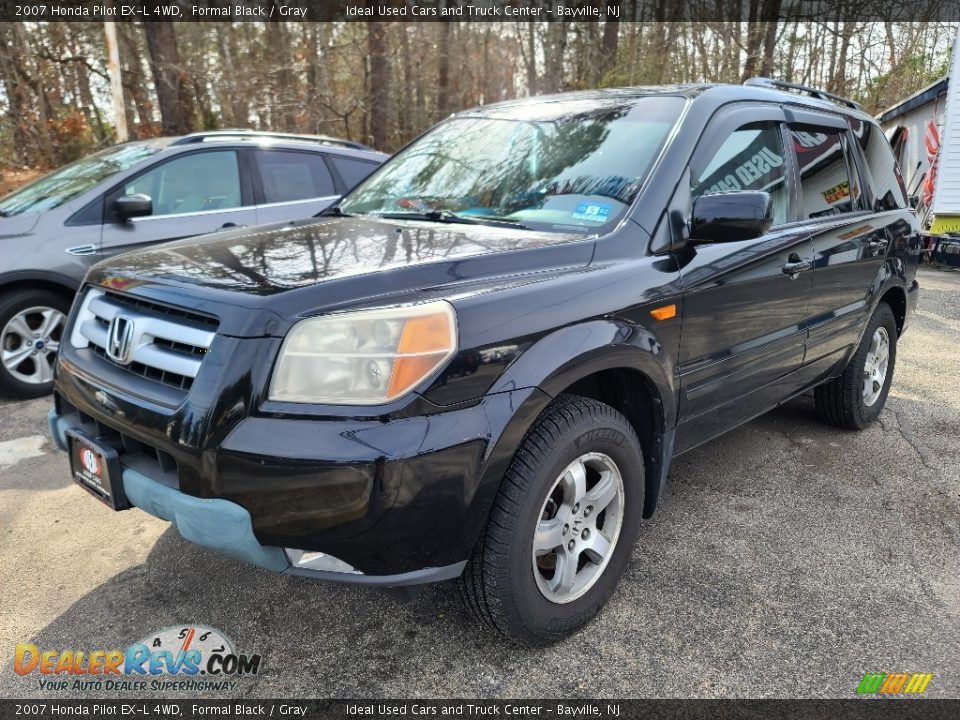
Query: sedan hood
[[300, 268]]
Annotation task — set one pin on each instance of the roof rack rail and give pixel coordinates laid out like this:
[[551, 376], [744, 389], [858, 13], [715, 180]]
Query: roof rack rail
[[199, 137], [814, 92]]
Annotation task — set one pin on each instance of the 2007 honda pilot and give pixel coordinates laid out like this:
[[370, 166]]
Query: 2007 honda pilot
[[480, 362]]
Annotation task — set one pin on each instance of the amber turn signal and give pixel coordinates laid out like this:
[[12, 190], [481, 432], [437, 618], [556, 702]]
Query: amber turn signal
[[664, 313]]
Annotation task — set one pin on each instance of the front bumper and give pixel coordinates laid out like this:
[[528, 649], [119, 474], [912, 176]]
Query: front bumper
[[226, 527], [402, 501]]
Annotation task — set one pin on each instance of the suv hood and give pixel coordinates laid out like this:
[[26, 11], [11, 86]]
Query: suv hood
[[300, 268]]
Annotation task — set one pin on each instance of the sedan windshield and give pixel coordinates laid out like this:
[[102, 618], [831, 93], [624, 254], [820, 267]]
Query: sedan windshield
[[558, 166], [73, 180]]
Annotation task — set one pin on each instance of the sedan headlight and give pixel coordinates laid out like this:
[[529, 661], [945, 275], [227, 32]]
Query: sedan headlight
[[364, 358]]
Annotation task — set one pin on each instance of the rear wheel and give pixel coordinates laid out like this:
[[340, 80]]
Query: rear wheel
[[855, 399], [31, 329], [563, 525]]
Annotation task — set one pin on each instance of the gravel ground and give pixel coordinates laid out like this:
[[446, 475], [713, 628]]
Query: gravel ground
[[786, 559]]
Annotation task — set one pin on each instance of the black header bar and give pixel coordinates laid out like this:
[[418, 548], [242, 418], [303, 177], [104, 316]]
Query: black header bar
[[478, 10], [469, 709]]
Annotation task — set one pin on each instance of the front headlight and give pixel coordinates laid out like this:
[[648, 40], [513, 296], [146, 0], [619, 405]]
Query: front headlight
[[364, 358]]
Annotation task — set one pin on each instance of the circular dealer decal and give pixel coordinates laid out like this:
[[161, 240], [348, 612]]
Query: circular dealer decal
[[89, 459]]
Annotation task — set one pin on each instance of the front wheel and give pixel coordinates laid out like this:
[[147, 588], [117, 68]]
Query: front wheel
[[855, 399], [31, 328], [563, 524]]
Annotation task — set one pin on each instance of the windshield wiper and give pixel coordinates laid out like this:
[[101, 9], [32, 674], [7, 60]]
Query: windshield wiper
[[446, 216]]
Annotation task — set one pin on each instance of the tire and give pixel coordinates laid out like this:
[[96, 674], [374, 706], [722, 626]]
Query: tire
[[501, 583], [846, 401], [31, 326]]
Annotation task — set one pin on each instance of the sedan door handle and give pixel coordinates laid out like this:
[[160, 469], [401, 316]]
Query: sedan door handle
[[230, 226], [794, 266]]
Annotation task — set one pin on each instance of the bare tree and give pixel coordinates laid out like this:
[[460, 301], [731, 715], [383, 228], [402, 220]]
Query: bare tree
[[378, 84], [169, 77]]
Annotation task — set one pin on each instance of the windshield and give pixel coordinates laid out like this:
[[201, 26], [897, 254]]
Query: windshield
[[73, 180], [570, 166]]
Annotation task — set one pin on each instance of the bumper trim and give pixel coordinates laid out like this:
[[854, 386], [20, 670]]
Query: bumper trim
[[415, 577], [217, 524]]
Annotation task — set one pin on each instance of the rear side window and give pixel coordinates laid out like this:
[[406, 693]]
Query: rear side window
[[826, 186], [353, 171], [883, 173], [290, 175], [751, 158]]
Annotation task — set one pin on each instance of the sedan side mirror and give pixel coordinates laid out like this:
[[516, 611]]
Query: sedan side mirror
[[131, 206], [731, 216]]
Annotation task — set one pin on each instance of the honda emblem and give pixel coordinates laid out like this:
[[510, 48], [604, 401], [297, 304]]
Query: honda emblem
[[120, 339]]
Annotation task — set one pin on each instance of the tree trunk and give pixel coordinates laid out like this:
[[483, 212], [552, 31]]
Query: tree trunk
[[772, 12], [173, 96], [611, 38], [443, 71], [116, 83], [754, 38], [378, 92]]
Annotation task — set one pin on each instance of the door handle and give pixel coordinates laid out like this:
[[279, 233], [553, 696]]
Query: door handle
[[795, 265], [230, 225]]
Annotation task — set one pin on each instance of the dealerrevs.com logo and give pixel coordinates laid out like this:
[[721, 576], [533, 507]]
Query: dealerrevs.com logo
[[186, 657]]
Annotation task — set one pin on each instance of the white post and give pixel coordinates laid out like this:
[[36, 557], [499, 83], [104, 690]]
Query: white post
[[116, 86]]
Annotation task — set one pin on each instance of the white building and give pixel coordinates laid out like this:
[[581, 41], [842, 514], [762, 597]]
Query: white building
[[905, 125]]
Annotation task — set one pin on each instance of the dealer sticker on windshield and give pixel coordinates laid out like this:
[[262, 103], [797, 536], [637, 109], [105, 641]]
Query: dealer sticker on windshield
[[592, 212]]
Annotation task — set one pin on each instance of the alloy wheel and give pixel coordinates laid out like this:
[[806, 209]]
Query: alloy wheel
[[578, 528], [875, 366], [29, 344]]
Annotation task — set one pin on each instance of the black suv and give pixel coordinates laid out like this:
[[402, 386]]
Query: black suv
[[482, 361]]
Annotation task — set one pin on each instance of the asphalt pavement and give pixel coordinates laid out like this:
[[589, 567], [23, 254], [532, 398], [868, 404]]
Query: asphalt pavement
[[787, 559]]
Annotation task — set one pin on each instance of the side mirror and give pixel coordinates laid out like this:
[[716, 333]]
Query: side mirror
[[131, 206], [731, 216]]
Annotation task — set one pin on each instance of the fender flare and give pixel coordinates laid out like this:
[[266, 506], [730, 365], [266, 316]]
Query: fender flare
[[560, 359], [53, 278]]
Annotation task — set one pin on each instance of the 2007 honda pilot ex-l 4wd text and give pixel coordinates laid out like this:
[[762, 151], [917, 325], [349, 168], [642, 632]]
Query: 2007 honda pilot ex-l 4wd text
[[480, 362]]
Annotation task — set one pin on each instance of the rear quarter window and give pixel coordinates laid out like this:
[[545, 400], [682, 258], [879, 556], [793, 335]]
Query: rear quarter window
[[352, 171], [883, 173]]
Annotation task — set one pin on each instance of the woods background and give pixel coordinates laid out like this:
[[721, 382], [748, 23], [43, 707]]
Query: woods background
[[382, 83]]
